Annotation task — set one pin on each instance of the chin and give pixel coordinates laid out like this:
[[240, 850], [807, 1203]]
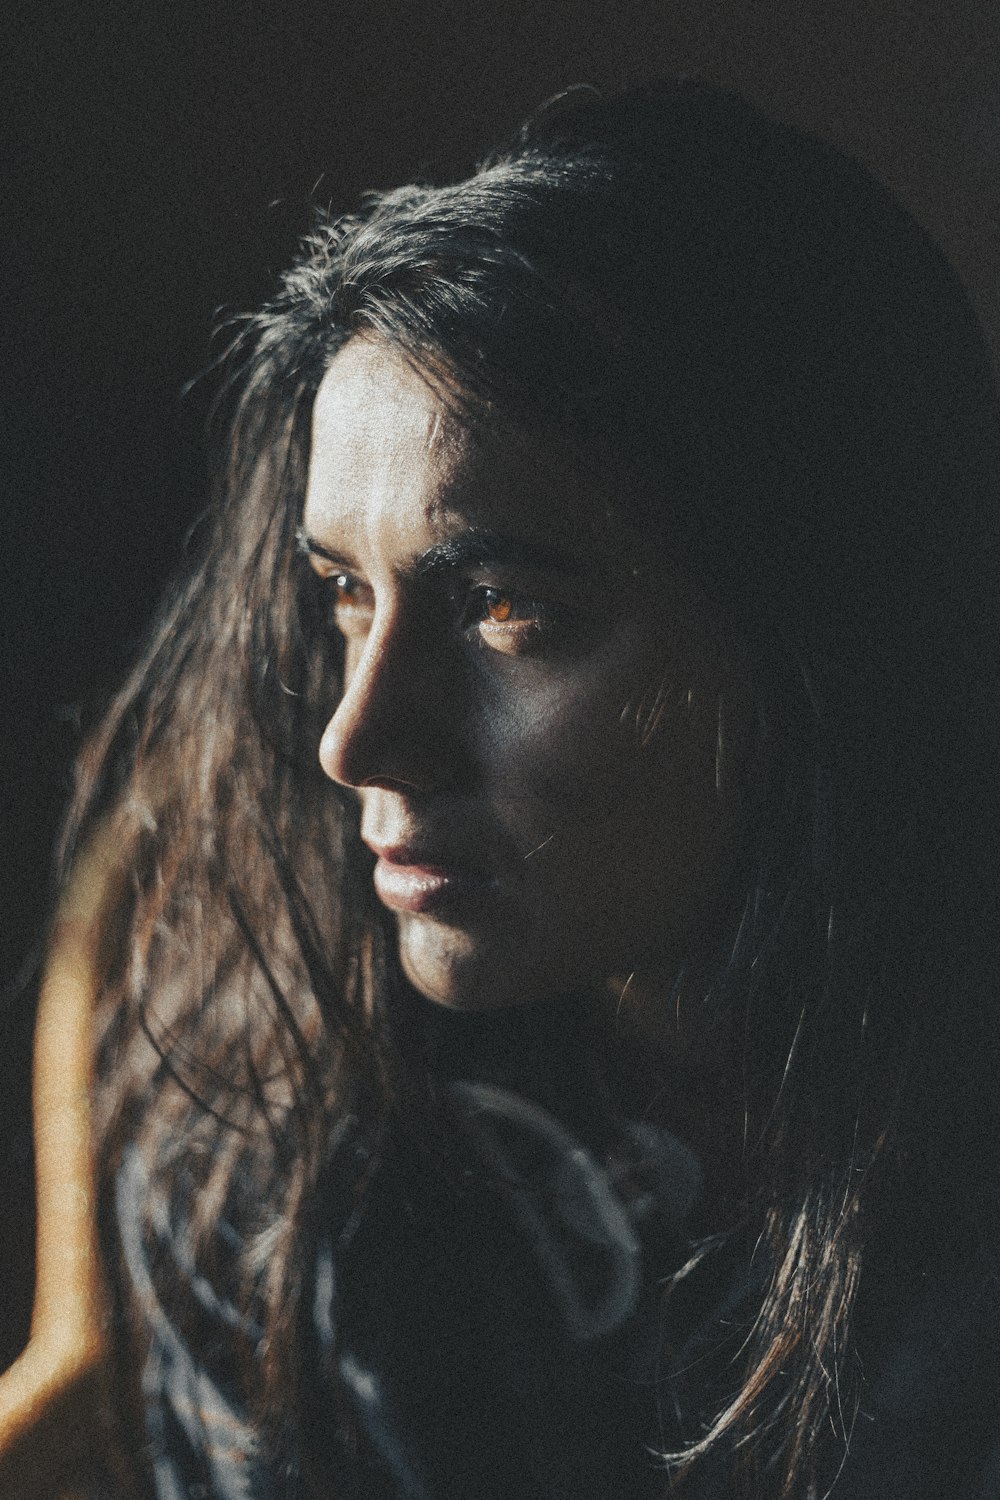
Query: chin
[[454, 968]]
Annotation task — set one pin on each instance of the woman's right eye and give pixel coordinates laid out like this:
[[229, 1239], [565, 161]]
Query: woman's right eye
[[352, 603]]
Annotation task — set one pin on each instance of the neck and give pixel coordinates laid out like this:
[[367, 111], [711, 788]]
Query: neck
[[548, 1052]]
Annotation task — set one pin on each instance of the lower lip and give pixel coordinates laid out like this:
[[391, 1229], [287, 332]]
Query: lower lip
[[420, 887]]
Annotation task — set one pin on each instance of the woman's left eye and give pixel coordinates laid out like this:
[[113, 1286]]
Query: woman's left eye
[[506, 620], [500, 608]]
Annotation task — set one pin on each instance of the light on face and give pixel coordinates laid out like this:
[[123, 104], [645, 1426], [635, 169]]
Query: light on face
[[494, 622]]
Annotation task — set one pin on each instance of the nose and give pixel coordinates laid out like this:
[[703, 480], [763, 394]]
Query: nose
[[388, 729]]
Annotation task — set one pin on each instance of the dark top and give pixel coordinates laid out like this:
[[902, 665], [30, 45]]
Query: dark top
[[498, 1336]]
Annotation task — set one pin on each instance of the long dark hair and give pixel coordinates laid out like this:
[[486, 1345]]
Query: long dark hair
[[791, 383]]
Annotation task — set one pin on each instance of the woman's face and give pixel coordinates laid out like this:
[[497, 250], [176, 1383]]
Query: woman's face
[[531, 711]]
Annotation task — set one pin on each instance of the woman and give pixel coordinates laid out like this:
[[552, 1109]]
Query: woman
[[544, 1041]]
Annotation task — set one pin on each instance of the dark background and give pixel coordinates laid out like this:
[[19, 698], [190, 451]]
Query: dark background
[[161, 160]]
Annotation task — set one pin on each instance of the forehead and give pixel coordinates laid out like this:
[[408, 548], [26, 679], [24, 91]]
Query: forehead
[[390, 465]]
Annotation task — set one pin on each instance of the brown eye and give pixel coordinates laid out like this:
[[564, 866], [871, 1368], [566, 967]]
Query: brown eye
[[497, 607], [350, 593], [352, 602], [510, 622]]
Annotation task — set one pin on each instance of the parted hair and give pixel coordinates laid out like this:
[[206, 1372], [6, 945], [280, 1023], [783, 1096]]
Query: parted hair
[[790, 379]]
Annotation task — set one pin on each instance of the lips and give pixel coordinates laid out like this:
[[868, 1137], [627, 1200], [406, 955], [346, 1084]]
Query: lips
[[411, 877]]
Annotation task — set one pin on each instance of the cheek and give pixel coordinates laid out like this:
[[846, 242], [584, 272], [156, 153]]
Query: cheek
[[552, 750], [619, 734], [608, 783]]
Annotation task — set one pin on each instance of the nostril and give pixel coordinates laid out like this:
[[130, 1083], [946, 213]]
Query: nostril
[[399, 723], [343, 748], [373, 738], [328, 757]]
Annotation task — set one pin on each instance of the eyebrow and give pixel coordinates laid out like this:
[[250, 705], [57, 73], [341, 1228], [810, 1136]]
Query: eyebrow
[[474, 548]]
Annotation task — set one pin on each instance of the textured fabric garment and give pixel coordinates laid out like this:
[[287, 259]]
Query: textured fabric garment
[[502, 1337], [200, 1442], [490, 1338]]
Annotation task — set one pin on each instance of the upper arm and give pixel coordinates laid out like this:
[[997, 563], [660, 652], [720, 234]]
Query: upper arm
[[48, 1397]]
